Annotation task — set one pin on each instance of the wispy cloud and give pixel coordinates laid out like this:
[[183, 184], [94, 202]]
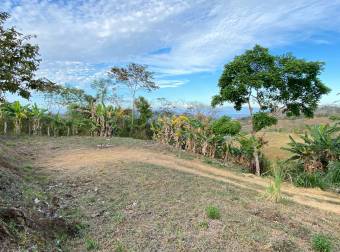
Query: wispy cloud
[[79, 39]]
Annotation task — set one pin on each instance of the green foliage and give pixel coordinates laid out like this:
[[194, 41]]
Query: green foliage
[[213, 212], [334, 117], [333, 173], [18, 62], [225, 126], [321, 243], [275, 83], [320, 145], [274, 189], [144, 110], [305, 179], [134, 77], [262, 120], [272, 81], [91, 244]]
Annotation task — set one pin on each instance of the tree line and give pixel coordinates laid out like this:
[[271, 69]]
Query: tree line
[[275, 85]]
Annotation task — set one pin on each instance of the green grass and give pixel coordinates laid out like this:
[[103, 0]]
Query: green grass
[[213, 212], [321, 243], [274, 189], [91, 244]]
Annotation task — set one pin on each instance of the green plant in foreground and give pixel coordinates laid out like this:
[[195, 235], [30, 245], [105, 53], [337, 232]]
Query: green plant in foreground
[[91, 244], [213, 212], [274, 189], [321, 243]]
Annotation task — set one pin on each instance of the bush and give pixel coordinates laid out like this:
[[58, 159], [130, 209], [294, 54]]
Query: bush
[[213, 212], [333, 173], [321, 243], [225, 126], [306, 179]]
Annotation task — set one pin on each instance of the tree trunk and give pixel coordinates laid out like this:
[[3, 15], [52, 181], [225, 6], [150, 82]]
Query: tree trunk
[[253, 132], [17, 127], [133, 107], [48, 131], [5, 127], [29, 128]]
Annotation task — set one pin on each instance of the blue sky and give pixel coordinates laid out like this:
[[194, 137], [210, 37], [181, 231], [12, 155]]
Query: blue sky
[[186, 42]]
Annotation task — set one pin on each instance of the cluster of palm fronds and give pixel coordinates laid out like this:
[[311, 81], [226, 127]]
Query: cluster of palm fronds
[[320, 145], [94, 119], [316, 156]]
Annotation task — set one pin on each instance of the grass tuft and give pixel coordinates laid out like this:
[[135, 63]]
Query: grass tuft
[[274, 189], [213, 212], [91, 244], [321, 243]]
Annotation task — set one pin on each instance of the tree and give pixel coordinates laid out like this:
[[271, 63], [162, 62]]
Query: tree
[[135, 77], [18, 63], [276, 84], [105, 90], [144, 110]]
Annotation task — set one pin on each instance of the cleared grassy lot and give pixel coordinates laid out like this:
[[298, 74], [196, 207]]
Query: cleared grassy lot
[[139, 202]]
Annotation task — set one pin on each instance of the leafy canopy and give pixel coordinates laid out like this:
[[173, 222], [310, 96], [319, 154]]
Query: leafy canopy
[[18, 63], [144, 109], [225, 126], [276, 83]]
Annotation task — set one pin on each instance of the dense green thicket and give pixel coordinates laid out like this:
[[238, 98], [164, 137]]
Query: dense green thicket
[[316, 157]]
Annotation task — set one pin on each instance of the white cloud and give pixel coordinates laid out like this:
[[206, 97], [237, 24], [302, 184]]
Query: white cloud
[[81, 38]]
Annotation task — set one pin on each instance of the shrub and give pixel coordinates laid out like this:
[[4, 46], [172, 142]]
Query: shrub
[[225, 126], [306, 179], [333, 173], [321, 243], [319, 145], [213, 212]]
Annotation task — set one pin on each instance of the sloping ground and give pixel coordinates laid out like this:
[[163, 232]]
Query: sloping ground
[[139, 196], [25, 221]]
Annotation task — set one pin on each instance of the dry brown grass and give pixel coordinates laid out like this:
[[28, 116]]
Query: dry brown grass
[[278, 136], [135, 196]]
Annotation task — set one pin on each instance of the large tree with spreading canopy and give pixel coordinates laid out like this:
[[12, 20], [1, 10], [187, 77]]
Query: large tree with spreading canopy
[[273, 84]]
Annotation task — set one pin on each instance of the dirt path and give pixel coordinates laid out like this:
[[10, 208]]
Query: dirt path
[[74, 162]]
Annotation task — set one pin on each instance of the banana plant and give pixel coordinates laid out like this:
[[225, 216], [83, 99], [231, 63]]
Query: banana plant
[[37, 115], [18, 113], [318, 146], [5, 116], [57, 124]]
